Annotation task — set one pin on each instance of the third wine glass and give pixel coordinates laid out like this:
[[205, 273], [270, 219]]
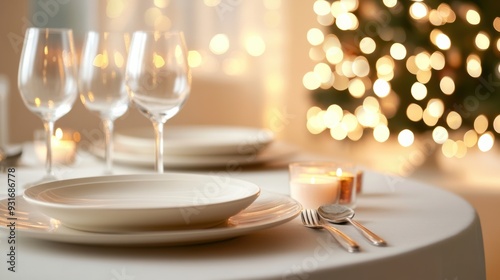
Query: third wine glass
[[158, 79]]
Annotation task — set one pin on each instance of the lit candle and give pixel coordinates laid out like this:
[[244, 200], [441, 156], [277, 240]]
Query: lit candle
[[347, 187], [63, 147], [313, 191]]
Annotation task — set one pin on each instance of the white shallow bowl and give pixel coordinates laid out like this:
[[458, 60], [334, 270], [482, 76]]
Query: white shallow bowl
[[142, 202]]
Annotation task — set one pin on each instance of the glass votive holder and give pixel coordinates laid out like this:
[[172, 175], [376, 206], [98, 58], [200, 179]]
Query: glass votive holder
[[64, 145], [347, 175], [359, 181], [312, 185]]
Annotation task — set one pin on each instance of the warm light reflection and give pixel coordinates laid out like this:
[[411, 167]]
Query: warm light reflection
[[446, 12], [315, 36], [356, 88], [440, 134], [496, 124], [381, 88], [398, 51], [473, 17], [435, 107], [438, 60], [58, 134], [485, 142], [480, 124], [381, 133], [219, 44], [496, 24], [390, 3], [423, 61], [470, 138], [454, 120], [449, 148], [321, 7], [474, 68], [311, 81], [255, 45], [101, 60], [418, 91], [367, 45], [443, 41], [414, 112], [360, 66], [482, 41], [158, 60], [418, 10], [194, 59], [406, 138], [347, 21], [447, 85]]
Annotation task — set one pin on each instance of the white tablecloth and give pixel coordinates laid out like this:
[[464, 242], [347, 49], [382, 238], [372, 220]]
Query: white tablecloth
[[432, 234]]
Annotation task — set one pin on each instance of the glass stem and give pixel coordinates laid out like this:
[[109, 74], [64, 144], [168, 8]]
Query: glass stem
[[49, 131], [108, 144], [158, 126]]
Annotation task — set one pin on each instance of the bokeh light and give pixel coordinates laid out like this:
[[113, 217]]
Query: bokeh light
[[394, 75]]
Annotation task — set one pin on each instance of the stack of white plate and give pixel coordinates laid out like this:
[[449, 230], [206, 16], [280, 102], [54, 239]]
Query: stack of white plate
[[197, 146], [169, 209]]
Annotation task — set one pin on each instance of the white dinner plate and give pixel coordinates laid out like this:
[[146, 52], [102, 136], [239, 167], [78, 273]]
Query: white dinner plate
[[198, 140], [145, 158], [267, 211], [143, 202]]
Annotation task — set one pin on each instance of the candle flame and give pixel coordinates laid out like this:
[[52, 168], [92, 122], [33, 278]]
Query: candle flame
[[59, 134], [339, 172], [313, 180]]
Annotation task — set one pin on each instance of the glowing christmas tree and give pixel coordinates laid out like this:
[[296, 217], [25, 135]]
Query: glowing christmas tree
[[391, 67]]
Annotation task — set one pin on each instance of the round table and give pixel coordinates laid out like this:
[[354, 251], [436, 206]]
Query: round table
[[431, 234]]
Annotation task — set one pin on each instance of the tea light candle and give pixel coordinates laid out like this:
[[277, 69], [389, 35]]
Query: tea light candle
[[348, 187], [63, 147], [313, 191]]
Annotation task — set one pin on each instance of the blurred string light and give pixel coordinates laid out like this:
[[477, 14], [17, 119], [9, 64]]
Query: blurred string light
[[227, 51], [402, 68]]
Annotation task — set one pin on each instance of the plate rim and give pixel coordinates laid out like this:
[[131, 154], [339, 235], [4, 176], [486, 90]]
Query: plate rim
[[164, 238], [263, 137], [78, 182], [274, 151]]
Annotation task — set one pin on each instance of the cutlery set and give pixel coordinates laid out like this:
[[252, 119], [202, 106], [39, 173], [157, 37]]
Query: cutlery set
[[328, 214]]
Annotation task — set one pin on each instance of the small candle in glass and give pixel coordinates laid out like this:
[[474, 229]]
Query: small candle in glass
[[359, 181], [311, 184], [348, 184], [64, 144]]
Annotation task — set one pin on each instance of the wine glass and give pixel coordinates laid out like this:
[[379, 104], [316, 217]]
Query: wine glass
[[47, 79], [102, 81], [158, 79]]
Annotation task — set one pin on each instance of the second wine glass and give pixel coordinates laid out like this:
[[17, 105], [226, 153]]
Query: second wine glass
[[102, 82], [158, 79]]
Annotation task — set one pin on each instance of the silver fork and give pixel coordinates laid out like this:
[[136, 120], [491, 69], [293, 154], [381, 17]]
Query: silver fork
[[311, 219]]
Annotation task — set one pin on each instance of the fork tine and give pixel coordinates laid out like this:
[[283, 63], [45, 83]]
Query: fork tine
[[314, 216], [311, 218], [302, 214]]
